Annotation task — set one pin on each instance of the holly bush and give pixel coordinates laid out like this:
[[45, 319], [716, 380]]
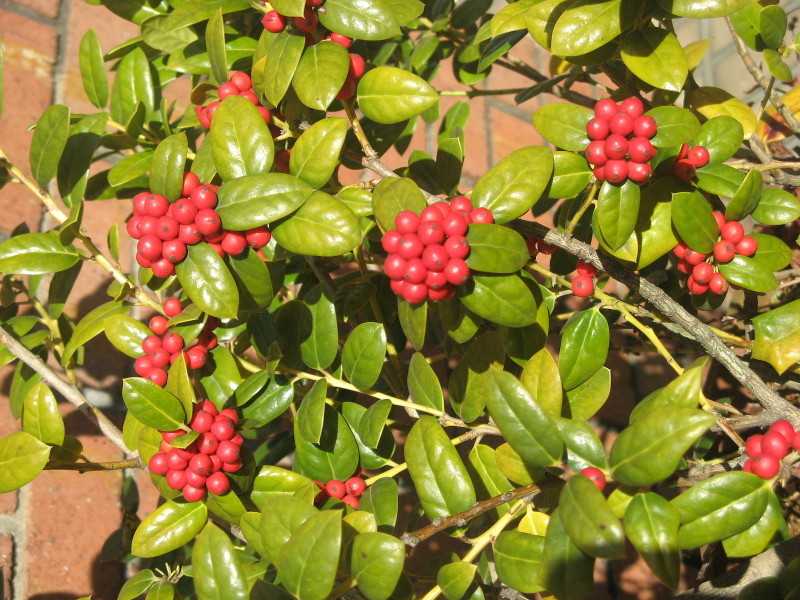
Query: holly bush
[[331, 378]]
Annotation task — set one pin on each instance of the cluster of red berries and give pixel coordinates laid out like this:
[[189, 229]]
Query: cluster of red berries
[[346, 491], [164, 347], [427, 251], [275, 22], [583, 283], [765, 451], [620, 148], [165, 230], [689, 160], [596, 476], [703, 276], [203, 464], [239, 84]]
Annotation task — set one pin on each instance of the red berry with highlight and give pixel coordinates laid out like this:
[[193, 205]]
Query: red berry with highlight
[[632, 106], [616, 171], [355, 486], [172, 307], [774, 444], [732, 232], [583, 286], [747, 247], [605, 108], [765, 466], [158, 463], [351, 501], [699, 156], [783, 427], [274, 22], [335, 489], [645, 126], [616, 147], [596, 476], [597, 129], [218, 483], [724, 251], [596, 153], [621, 124], [718, 284]]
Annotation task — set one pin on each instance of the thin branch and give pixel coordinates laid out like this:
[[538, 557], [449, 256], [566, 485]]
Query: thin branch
[[58, 465], [70, 392]]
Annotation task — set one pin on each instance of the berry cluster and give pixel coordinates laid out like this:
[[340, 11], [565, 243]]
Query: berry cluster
[[346, 491], [703, 275], [620, 148], [203, 464], [765, 451], [239, 84], [164, 347], [165, 230], [689, 160], [275, 22], [427, 251], [583, 284], [596, 476]]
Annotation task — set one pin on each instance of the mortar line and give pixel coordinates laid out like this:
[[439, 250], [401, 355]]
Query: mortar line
[[28, 13]]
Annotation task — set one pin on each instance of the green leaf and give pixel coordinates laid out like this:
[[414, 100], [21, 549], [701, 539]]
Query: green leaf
[[215, 43], [751, 273], [208, 282], [518, 557], [322, 226], [376, 564], [772, 23], [320, 347], [571, 175], [719, 179], [373, 422], [756, 538], [280, 518], [152, 405], [216, 570], [702, 10], [393, 195], [137, 585], [541, 379], [381, 500], [253, 280], [676, 126], [281, 64], [320, 74], [240, 139], [315, 155], [651, 524], [692, 219], [126, 334], [526, 427], [271, 482], [91, 325], [617, 211], [307, 562], [563, 125], [483, 463], [439, 475], [746, 197], [163, 590], [566, 572], [721, 136], [719, 507], [496, 249], [311, 414], [651, 449], [22, 458], [93, 71], [777, 67], [335, 457], [49, 140], [584, 448], [413, 319], [190, 12], [391, 95], [591, 525], [712, 101], [361, 19], [363, 354], [168, 527], [169, 162], [133, 83], [255, 200], [157, 33], [503, 299], [582, 28], [41, 417], [423, 384], [745, 23], [776, 207], [289, 8], [130, 168], [511, 187], [456, 578], [36, 254], [684, 390], [584, 347], [778, 336], [656, 57]]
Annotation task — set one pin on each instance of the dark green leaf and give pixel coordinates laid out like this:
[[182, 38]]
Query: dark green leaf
[[363, 354], [617, 211], [541, 379], [393, 195], [584, 347], [335, 457], [319, 348], [502, 299], [692, 219], [320, 74], [518, 557], [289, 8], [391, 95], [721, 136], [22, 458], [722, 180], [651, 524], [746, 197], [280, 65], [423, 385], [377, 563], [311, 414], [591, 525], [571, 175], [215, 43], [36, 254], [585, 27], [361, 19], [208, 282], [466, 397], [456, 578], [563, 125], [373, 422], [307, 562], [381, 500], [315, 155], [772, 22], [756, 538], [778, 336], [133, 84], [584, 448], [130, 168], [93, 71], [170, 526], [656, 57], [137, 585], [240, 139], [496, 249], [566, 572], [776, 207], [91, 325], [41, 417], [216, 570], [255, 200], [414, 321], [168, 164], [676, 126], [152, 405], [49, 140], [280, 518], [322, 226]]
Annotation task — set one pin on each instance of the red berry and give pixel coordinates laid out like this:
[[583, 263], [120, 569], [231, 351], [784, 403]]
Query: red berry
[[718, 284], [641, 150], [168, 436], [684, 152], [615, 171], [335, 489], [585, 268], [644, 126], [184, 211], [632, 106], [621, 123], [158, 463], [172, 342], [699, 156], [193, 494], [414, 292], [460, 203], [172, 306], [605, 108], [390, 240], [732, 232], [703, 273], [435, 280], [147, 225], [355, 486], [596, 153], [395, 266], [282, 158], [431, 232], [163, 267], [774, 444], [153, 342], [351, 501], [218, 483], [545, 248], [208, 340], [719, 218], [308, 22], [196, 357], [158, 325], [202, 421], [445, 293], [149, 247], [796, 440], [223, 429], [747, 466], [159, 358], [207, 221], [406, 221], [195, 480], [347, 90], [752, 446], [680, 249], [208, 443], [189, 234], [201, 464], [481, 215], [765, 466], [156, 205], [174, 251], [274, 22], [639, 172], [747, 247], [258, 237], [583, 286], [132, 227], [409, 246], [457, 246], [430, 214], [142, 365], [724, 251], [684, 267], [340, 39], [683, 170], [241, 81], [227, 89], [416, 271], [435, 257], [783, 427], [234, 242], [692, 257], [456, 271], [596, 476], [232, 467], [228, 451], [597, 129], [176, 460], [202, 116], [140, 203], [696, 287], [176, 479], [616, 147], [357, 66], [397, 286], [229, 414]]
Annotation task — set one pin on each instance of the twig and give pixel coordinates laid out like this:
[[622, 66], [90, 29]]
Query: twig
[[70, 392], [57, 465]]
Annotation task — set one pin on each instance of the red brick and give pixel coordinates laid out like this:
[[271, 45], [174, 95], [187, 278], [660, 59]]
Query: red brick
[[6, 565], [510, 132], [46, 8]]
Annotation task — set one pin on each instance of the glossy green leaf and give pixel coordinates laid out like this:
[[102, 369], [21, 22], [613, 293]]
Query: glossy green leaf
[[563, 125], [753, 273], [194, 11], [719, 507], [746, 197], [381, 499], [363, 354], [571, 175], [777, 67], [322, 226], [676, 126], [496, 249], [651, 449], [423, 384], [335, 457], [583, 28], [502, 299], [307, 562], [253, 280], [41, 417], [705, 9], [216, 568], [413, 319], [651, 524], [255, 200], [526, 427], [22, 458], [280, 518], [373, 422], [36, 254], [584, 347], [315, 155], [617, 211], [137, 585], [93, 71], [491, 481], [311, 413], [289, 8], [566, 572], [776, 207], [274, 481], [240, 139], [280, 65], [370, 457], [126, 334], [133, 83], [777, 339], [163, 590], [772, 23], [376, 564], [391, 95], [465, 396], [320, 347], [208, 282], [320, 74], [130, 168], [49, 140], [684, 390], [585, 399], [711, 101], [439, 475], [169, 161], [591, 525], [152, 405], [518, 557], [361, 19], [456, 578], [756, 538], [157, 33], [541, 379], [215, 43], [90, 326], [584, 448], [393, 195], [719, 179], [168, 527], [692, 219], [721, 136], [656, 57]]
